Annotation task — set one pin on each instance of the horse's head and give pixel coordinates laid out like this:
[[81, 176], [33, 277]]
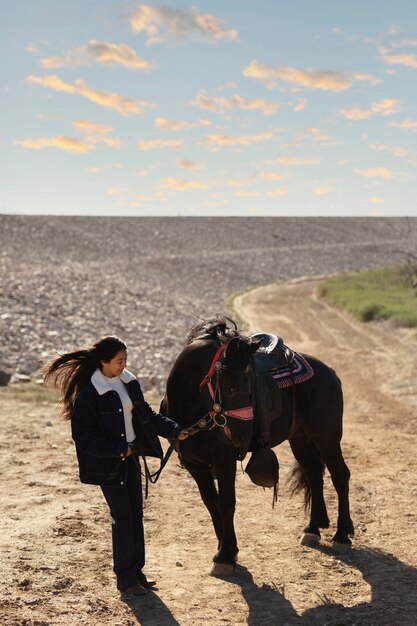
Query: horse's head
[[210, 385], [230, 383]]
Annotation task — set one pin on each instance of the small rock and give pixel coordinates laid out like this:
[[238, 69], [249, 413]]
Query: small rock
[[4, 378], [20, 378]]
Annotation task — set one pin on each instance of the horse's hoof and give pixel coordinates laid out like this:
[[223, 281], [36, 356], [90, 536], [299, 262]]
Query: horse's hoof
[[310, 540], [341, 548], [222, 569]]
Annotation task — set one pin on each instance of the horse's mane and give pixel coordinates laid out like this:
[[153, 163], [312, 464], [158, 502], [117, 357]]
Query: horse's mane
[[220, 327]]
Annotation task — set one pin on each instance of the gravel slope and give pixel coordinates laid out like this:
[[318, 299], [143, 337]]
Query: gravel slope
[[67, 280]]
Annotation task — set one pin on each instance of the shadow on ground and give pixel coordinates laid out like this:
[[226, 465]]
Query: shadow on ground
[[393, 592], [393, 597], [267, 604], [150, 610]]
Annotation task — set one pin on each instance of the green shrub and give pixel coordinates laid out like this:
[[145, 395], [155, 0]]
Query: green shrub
[[374, 295]]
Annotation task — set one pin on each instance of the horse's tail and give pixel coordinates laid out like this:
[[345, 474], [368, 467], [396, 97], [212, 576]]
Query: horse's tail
[[297, 481]]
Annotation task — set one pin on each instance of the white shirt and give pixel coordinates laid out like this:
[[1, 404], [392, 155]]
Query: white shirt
[[102, 384]]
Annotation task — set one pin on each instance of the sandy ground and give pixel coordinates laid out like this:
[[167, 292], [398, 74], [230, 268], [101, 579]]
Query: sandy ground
[[55, 542]]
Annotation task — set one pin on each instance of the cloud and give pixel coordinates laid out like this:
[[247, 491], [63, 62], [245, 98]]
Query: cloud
[[34, 47], [99, 52], [288, 160], [407, 60], [376, 172], [238, 182], [271, 176], [186, 164], [109, 166], [375, 200], [397, 151], [121, 104], [92, 128], [153, 144], [299, 105], [165, 124], [112, 191], [405, 124], [307, 79], [246, 194], [316, 135], [172, 125], [220, 105], [97, 133], [323, 189], [382, 107], [279, 191], [177, 184], [51, 82], [405, 42], [164, 23], [215, 142], [93, 134], [138, 199], [68, 144]]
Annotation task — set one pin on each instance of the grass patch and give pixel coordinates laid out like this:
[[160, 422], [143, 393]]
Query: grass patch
[[385, 294], [30, 392]]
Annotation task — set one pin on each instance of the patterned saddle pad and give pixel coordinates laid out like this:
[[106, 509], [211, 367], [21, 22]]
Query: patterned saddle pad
[[297, 371]]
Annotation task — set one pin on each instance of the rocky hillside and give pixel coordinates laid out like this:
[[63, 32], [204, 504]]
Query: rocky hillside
[[65, 281]]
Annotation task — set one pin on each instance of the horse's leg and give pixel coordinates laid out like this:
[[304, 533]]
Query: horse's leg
[[209, 495], [340, 474], [226, 556], [309, 476]]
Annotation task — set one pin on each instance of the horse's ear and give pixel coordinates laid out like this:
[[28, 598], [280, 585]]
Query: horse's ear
[[231, 347], [255, 344]]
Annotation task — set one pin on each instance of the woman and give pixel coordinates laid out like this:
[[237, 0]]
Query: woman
[[112, 425]]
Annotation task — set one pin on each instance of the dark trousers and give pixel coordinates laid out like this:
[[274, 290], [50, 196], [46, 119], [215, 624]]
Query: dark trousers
[[125, 506]]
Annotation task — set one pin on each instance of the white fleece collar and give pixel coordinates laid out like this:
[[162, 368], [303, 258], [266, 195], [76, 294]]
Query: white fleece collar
[[102, 386]]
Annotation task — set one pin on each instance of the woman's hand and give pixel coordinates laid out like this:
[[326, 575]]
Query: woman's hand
[[129, 452], [183, 435]]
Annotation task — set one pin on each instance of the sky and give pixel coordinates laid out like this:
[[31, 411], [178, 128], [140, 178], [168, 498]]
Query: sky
[[223, 107]]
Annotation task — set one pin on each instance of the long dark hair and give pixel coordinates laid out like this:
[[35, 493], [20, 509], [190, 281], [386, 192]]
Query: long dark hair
[[72, 370]]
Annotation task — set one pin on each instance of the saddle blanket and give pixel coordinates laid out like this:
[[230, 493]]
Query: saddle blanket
[[298, 371]]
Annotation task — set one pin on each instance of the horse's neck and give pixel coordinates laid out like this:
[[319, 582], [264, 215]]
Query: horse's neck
[[186, 403]]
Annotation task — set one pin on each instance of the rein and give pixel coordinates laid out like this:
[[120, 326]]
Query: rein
[[217, 410], [149, 477]]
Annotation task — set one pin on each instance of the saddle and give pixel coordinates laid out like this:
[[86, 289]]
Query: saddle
[[272, 355]]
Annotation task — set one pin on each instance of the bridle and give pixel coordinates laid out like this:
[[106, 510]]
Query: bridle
[[217, 416], [211, 418]]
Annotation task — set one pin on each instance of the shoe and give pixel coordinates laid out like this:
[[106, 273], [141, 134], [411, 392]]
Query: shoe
[[145, 582], [148, 584], [135, 590]]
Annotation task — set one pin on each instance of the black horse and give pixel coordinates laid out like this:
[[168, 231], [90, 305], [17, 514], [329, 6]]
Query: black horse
[[210, 390]]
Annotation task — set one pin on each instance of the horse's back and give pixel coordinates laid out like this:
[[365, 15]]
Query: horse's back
[[313, 407]]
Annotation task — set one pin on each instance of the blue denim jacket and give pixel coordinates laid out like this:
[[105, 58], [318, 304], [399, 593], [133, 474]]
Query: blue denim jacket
[[98, 429]]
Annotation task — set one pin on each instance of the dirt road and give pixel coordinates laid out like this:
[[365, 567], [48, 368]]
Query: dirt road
[[55, 541]]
